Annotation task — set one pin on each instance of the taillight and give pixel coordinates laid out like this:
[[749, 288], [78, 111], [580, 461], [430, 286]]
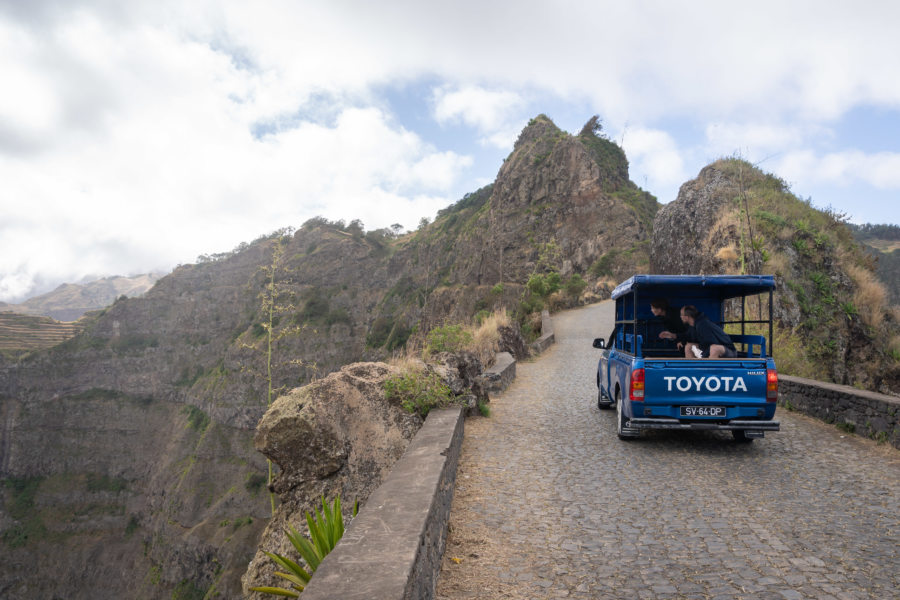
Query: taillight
[[771, 385], [637, 385]]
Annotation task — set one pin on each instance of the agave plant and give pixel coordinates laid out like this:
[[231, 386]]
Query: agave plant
[[325, 530]]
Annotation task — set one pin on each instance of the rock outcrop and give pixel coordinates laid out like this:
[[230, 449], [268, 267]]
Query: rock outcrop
[[340, 435]]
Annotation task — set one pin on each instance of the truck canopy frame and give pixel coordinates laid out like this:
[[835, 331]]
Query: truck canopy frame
[[707, 292]]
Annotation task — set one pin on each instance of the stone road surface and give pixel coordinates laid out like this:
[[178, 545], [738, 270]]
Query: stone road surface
[[550, 503]]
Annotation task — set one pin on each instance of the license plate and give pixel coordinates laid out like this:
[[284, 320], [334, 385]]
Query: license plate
[[702, 411]]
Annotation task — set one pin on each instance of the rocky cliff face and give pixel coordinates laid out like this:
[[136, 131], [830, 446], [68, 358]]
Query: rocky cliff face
[[158, 400], [129, 448], [831, 310]]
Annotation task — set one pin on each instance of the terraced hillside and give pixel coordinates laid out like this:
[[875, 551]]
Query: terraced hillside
[[25, 332]]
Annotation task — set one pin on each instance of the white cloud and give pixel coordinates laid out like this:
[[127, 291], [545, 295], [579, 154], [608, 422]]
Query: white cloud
[[490, 112], [147, 158], [880, 170], [756, 140], [655, 155], [127, 129]]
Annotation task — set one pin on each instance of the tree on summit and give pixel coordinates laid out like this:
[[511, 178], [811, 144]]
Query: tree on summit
[[594, 126]]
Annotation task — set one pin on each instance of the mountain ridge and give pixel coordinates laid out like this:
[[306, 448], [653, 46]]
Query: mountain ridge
[[70, 301]]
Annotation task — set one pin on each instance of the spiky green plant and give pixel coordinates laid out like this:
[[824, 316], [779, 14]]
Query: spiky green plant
[[325, 530]]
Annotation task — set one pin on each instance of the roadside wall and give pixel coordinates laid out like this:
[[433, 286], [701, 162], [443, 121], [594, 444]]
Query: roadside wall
[[865, 413], [393, 549]]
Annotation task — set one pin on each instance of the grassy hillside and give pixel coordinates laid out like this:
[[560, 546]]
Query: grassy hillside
[[836, 320]]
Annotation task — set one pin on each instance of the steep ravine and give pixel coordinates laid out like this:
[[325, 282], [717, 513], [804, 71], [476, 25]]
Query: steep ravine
[[127, 452]]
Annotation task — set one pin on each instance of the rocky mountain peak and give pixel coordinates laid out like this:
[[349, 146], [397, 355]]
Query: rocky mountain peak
[[538, 128]]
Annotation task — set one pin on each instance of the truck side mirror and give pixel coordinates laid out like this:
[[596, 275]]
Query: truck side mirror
[[600, 343]]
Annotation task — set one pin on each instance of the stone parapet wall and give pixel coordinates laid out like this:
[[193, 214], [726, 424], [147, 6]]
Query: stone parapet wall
[[502, 373], [547, 336], [869, 414], [392, 550]]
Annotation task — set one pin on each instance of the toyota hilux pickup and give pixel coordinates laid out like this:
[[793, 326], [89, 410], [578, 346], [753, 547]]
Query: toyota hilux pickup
[[653, 385]]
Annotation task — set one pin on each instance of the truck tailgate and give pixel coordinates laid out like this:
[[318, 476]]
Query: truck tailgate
[[705, 382]]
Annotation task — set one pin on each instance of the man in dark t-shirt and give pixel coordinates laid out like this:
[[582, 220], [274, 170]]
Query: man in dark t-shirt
[[710, 339]]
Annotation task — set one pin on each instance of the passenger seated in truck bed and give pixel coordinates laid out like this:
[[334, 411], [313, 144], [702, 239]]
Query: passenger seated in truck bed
[[708, 337], [669, 317]]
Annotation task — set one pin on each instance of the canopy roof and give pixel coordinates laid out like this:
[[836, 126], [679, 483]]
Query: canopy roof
[[710, 286]]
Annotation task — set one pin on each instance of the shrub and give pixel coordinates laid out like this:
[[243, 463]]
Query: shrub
[[497, 289], [449, 338], [197, 419], [338, 315], [846, 426], [379, 332], [575, 285], [727, 254], [531, 304], [325, 531], [133, 525], [21, 507], [316, 307], [418, 391], [543, 285], [188, 590], [486, 337]]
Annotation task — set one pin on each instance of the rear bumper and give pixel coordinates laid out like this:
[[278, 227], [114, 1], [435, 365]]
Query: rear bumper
[[739, 424]]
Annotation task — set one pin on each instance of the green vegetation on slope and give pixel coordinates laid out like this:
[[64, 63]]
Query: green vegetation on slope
[[833, 306]]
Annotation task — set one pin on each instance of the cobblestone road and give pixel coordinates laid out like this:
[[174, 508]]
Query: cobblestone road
[[551, 504]]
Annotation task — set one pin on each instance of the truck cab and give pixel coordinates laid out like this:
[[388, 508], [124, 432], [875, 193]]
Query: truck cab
[[654, 386]]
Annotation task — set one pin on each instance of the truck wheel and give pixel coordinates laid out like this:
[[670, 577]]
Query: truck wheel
[[740, 435], [602, 402], [624, 433]]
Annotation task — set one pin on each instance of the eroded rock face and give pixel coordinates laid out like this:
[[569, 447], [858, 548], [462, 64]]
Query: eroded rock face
[[511, 341], [338, 435], [688, 232], [339, 425]]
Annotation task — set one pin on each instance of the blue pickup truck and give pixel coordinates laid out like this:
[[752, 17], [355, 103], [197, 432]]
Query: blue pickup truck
[[654, 386]]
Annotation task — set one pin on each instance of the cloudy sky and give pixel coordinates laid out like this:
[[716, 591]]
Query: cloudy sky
[[138, 135]]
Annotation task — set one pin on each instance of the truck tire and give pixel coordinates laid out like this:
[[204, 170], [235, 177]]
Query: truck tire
[[624, 433], [740, 435], [602, 402]]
